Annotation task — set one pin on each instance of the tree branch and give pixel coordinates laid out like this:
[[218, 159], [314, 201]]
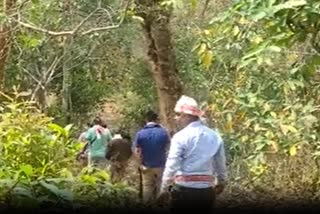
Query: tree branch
[[33, 77], [315, 45], [109, 27], [100, 29], [108, 14], [85, 20], [86, 57], [77, 28], [52, 69], [205, 7], [53, 33]]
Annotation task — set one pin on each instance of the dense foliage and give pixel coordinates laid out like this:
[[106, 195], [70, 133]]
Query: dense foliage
[[265, 93], [252, 64], [38, 166]]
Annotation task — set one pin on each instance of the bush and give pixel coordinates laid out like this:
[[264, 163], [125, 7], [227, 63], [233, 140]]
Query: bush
[[31, 142], [37, 164]]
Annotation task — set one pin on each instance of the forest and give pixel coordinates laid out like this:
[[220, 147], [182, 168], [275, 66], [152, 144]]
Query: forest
[[253, 65]]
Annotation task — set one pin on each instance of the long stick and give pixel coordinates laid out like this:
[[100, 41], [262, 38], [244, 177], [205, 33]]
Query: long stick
[[140, 183]]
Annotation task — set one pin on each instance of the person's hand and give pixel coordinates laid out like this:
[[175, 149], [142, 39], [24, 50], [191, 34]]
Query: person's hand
[[79, 156], [138, 153], [219, 189]]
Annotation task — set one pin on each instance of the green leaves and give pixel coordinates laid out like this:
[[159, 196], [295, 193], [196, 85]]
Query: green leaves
[[293, 150], [256, 50], [61, 193], [193, 3], [207, 58], [179, 4], [60, 130], [206, 55], [23, 190], [30, 40], [288, 128], [291, 4], [27, 169], [262, 11], [175, 4], [311, 66], [3, 18], [33, 146], [271, 26]]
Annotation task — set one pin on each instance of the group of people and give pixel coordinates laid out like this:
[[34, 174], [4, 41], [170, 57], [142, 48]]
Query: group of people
[[103, 150], [189, 167]]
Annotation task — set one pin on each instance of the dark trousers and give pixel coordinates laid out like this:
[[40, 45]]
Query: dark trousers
[[192, 199]]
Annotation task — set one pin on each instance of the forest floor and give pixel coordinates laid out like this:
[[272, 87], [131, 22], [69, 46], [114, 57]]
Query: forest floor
[[238, 197], [232, 197]]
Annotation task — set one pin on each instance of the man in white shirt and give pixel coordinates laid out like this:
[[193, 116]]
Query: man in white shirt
[[196, 164]]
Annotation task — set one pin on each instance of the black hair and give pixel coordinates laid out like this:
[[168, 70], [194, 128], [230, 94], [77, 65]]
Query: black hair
[[89, 124], [97, 121], [124, 134], [151, 116]]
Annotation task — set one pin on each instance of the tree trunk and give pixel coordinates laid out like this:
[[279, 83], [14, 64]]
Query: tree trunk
[[67, 81], [205, 7], [5, 37], [161, 58], [42, 99], [66, 73]]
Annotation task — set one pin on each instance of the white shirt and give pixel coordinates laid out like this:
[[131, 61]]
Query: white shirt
[[195, 150]]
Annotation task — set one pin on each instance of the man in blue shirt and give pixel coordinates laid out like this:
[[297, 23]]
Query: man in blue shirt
[[150, 145]]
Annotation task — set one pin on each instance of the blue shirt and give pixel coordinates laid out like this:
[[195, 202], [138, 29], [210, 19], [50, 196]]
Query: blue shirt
[[152, 140], [195, 150]]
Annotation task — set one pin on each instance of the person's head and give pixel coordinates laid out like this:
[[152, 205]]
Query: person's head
[[187, 111], [151, 116], [99, 121], [126, 136], [123, 133], [89, 124]]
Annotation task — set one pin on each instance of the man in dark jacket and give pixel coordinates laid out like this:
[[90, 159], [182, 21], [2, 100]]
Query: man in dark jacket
[[118, 153]]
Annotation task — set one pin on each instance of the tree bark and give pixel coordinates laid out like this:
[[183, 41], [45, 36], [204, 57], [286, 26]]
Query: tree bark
[[66, 72], [205, 7], [161, 58], [67, 81], [5, 39], [42, 99]]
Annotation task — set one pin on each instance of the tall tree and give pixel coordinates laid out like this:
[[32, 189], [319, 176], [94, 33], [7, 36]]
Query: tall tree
[[161, 56], [67, 77], [5, 37]]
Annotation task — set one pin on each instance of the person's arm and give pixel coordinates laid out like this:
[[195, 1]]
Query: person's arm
[[173, 163], [220, 167], [88, 137], [136, 146], [109, 135], [81, 137], [84, 148], [109, 150], [168, 143]]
